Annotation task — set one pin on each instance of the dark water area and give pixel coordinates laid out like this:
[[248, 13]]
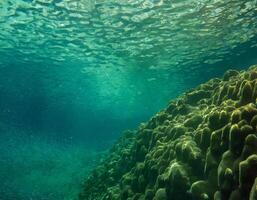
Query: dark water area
[[75, 74], [34, 167]]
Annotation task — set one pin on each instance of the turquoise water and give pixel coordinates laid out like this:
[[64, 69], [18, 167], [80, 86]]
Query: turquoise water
[[75, 74]]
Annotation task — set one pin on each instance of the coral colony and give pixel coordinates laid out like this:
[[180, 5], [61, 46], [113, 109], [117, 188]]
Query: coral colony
[[202, 146]]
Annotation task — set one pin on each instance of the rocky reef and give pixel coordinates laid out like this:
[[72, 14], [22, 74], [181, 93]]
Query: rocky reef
[[202, 146]]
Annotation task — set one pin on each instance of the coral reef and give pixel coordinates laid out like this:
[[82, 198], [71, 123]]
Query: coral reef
[[202, 146]]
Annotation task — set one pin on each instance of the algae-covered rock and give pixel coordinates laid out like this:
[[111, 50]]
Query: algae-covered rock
[[205, 138], [248, 112], [236, 195], [247, 174], [250, 146], [194, 97], [235, 140], [225, 174], [214, 120], [201, 190], [253, 193], [193, 121], [215, 145], [178, 180], [160, 194], [202, 146], [236, 116], [246, 93], [230, 73]]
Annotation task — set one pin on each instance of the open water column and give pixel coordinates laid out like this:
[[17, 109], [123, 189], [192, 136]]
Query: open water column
[[126, 99]]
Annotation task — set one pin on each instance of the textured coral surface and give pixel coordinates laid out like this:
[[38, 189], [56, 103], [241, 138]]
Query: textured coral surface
[[202, 146]]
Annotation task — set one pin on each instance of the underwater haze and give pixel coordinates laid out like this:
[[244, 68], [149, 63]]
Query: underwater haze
[[75, 74]]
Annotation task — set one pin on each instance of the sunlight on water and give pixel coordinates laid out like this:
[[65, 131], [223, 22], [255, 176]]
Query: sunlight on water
[[110, 42], [163, 33]]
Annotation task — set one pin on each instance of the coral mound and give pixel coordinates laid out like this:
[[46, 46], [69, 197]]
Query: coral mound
[[202, 146]]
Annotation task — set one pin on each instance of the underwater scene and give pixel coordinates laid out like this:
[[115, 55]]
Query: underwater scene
[[128, 100]]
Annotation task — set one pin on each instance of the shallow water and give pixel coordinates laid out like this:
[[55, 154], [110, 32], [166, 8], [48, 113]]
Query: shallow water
[[75, 74]]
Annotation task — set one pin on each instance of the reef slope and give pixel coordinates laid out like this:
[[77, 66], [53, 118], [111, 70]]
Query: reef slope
[[202, 146]]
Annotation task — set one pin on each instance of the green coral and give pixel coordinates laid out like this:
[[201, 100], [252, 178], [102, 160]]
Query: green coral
[[203, 146], [247, 174], [160, 194], [253, 193]]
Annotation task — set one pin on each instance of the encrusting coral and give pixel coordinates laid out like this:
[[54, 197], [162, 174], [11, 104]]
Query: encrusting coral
[[202, 147]]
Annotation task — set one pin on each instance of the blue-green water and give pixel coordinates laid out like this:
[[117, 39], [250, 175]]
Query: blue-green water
[[74, 74]]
